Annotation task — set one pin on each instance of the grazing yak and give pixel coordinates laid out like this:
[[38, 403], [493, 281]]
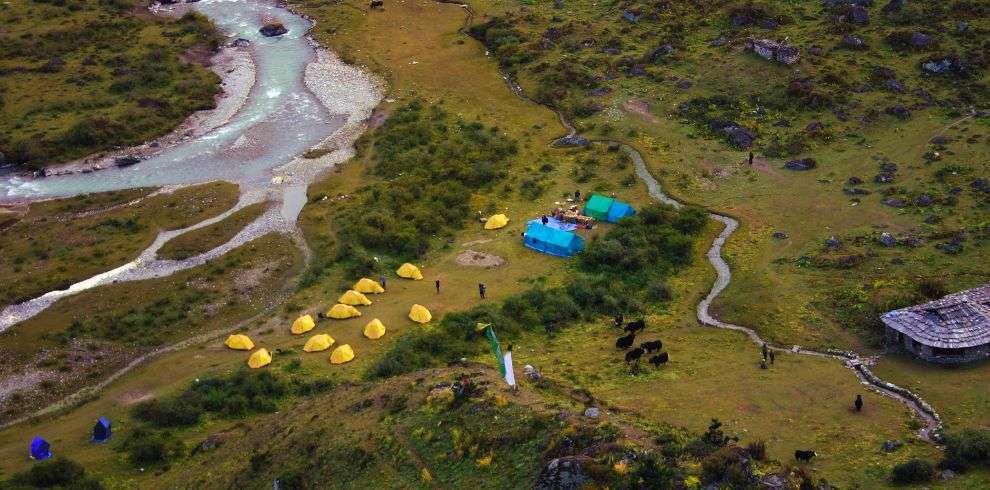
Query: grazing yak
[[635, 326], [378, 4], [659, 359], [625, 342], [634, 354], [804, 455], [652, 346]]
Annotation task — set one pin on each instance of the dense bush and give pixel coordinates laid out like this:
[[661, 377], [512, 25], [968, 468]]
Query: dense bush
[[966, 449], [239, 394], [54, 473], [622, 271], [913, 471], [149, 447], [431, 163]]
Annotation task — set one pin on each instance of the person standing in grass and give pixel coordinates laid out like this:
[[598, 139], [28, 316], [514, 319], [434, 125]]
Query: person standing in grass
[[750, 158], [765, 349], [771, 357], [438, 286], [858, 403], [381, 279], [481, 290]]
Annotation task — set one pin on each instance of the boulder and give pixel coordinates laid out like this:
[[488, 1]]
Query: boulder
[[531, 372], [939, 140], [894, 202], [572, 140], [890, 446], [566, 473], [771, 50], [887, 240], [889, 167], [920, 40], [893, 85], [945, 65], [801, 164], [854, 180], [661, 52], [853, 42], [951, 247], [981, 184], [719, 41], [899, 111], [629, 16], [637, 71], [816, 50], [739, 136], [126, 161], [591, 412], [240, 43], [946, 475], [273, 29], [924, 200]]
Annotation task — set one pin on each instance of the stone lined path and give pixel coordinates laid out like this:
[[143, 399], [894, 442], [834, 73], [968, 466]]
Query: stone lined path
[[932, 432]]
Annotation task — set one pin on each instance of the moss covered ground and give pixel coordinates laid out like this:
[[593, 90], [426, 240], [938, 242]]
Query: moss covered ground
[[78, 77]]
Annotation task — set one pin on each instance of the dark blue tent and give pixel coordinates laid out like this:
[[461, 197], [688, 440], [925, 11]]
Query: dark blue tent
[[101, 431], [618, 211], [552, 241], [40, 449]]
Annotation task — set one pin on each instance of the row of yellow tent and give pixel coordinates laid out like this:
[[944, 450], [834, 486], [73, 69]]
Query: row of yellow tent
[[317, 343], [373, 330]]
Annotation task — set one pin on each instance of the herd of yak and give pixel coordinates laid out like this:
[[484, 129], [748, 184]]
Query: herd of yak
[[626, 341]]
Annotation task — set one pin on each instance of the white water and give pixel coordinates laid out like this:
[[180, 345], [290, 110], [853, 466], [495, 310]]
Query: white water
[[302, 98]]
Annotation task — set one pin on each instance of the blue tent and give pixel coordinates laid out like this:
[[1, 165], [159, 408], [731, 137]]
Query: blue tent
[[618, 211], [101, 431], [40, 449], [551, 241]]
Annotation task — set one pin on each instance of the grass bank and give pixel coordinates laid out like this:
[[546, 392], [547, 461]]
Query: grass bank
[[207, 238]]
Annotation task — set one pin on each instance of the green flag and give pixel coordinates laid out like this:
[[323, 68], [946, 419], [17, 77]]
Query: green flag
[[490, 333]]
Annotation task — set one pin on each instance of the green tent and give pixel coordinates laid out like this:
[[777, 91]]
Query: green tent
[[598, 206]]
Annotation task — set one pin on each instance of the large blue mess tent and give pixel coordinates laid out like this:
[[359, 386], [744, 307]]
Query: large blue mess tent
[[40, 449], [555, 224], [607, 209], [552, 241], [101, 431]]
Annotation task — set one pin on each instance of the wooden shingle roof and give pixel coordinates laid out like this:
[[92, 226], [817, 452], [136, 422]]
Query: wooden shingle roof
[[956, 321]]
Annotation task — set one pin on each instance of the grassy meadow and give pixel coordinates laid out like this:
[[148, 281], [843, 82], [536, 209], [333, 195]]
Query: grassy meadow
[[56, 243], [112, 73], [207, 238]]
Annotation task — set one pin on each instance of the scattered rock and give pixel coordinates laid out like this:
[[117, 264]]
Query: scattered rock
[[801, 164], [939, 140], [637, 71], [893, 85], [571, 141], [832, 243], [924, 200], [887, 240], [920, 40], [775, 482], [890, 446], [273, 29], [719, 41], [899, 111], [629, 16], [662, 51], [856, 191], [951, 247], [600, 91], [816, 50], [774, 51], [782, 123], [894, 202], [932, 219], [240, 43], [779, 235], [962, 27], [981, 184], [738, 135], [814, 128], [591, 412], [858, 15], [563, 473], [854, 180], [888, 167], [853, 42], [126, 161], [611, 51], [531, 372], [946, 65], [946, 475]]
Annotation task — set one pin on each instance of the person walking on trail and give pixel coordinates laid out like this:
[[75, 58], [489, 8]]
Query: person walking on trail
[[481, 290], [750, 158], [438, 286], [858, 403], [765, 349], [381, 279], [763, 363], [771, 357]]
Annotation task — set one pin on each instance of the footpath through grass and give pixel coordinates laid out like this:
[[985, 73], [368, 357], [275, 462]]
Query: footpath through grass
[[82, 76], [59, 242]]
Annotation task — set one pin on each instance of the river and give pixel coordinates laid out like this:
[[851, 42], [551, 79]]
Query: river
[[302, 97]]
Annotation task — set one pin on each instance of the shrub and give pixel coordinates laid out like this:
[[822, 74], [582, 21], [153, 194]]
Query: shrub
[[757, 449], [727, 464], [148, 447], [970, 447], [56, 473], [913, 471]]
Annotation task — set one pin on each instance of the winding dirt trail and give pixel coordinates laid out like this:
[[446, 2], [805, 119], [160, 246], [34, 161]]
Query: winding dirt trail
[[931, 432]]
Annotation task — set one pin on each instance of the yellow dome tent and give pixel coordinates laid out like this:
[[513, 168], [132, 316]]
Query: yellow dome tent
[[410, 271], [367, 286], [259, 358], [497, 221], [342, 354], [239, 342], [374, 329], [341, 312], [318, 342], [420, 314], [302, 324], [354, 298]]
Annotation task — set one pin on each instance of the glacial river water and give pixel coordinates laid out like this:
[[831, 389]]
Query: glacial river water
[[279, 121]]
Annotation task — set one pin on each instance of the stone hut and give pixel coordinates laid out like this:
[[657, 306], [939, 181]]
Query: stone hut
[[951, 330]]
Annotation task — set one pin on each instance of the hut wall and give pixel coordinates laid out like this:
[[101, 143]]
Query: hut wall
[[894, 343]]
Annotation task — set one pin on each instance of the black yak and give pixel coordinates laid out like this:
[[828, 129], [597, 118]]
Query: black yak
[[634, 354], [625, 342], [659, 359], [378, 4], [804, 455], [636, 325], [652, 346]]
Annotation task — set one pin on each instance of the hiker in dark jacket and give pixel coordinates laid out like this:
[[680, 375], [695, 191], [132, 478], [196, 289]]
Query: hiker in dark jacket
[[858, 403], [481, 290]]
